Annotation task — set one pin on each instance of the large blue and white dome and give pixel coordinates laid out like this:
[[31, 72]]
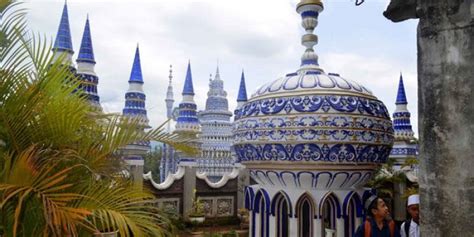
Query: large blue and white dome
[[312, 121]]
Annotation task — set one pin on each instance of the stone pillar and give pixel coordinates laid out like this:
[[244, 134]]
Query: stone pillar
[[272, 226], [318, 228], [446, 120], [446, 112], [189, 186], [135, 168], [251, 226], [243, 180], [293, 226], [399, 203], [340, 227]]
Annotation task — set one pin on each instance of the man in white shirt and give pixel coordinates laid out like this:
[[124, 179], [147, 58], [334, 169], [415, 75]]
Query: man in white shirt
[[411, 228]]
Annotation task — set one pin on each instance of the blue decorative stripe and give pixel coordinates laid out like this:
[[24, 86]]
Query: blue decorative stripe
[[88, 78], [190, 106], [135, 104], [312, 122], [313, 152], [404, 151], [135, 95], [291, 74], [402, 128], [313, 14], [309, 62], [315, 134], [316, 103], [401, 115], [313, 72], [134, 112], [187, 120]]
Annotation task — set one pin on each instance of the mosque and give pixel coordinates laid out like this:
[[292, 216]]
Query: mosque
[[310, 139]]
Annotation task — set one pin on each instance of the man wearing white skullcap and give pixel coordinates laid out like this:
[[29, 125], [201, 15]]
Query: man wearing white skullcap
[[411, 228]]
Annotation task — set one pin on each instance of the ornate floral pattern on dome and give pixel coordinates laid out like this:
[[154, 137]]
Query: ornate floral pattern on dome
[[309, 81], [311, 116]]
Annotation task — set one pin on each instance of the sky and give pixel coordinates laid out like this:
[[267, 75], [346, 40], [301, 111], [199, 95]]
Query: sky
[[261, 37]]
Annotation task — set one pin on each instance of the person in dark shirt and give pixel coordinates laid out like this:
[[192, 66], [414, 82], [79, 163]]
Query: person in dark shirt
[[377, 223]]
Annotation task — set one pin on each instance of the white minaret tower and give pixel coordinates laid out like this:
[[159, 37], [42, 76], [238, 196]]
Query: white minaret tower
[[169, 99]]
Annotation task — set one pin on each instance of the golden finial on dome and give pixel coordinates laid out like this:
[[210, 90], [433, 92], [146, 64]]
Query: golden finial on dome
[[309, 2]]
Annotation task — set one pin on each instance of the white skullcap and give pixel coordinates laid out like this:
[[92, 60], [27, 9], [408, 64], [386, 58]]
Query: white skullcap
[[413, 199]]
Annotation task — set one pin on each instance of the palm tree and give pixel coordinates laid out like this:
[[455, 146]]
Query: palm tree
[[61, 173]]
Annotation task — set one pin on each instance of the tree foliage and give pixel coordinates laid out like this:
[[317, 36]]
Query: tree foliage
[[60, 172]]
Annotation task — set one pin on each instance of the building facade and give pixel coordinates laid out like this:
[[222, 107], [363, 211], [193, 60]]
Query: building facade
[[210, 129], [310, 140]]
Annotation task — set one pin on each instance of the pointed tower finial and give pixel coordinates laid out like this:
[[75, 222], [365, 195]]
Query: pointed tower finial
[[218, 74], [188, 83], [63, 40], [242, 96], [401, 117], [171, 74], [135, 97], [86, 51], [136, 74], [169, 98], [401, 96]]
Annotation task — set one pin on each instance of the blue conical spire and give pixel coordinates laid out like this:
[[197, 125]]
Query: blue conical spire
[[63, 37], [401, 96], [86, 52], [188, 83], [242, 96], [136, 75]]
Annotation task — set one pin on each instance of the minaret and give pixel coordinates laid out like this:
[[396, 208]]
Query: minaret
[[169, 98], [135, 97], [85, 67], [135, 108], [401, 117], [216, 136], [403, 147], [242, 96], [63, 42], [167, 157], [187, 121]]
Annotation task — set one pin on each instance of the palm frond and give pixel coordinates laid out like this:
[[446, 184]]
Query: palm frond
[[124, 208], [27, 182]]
